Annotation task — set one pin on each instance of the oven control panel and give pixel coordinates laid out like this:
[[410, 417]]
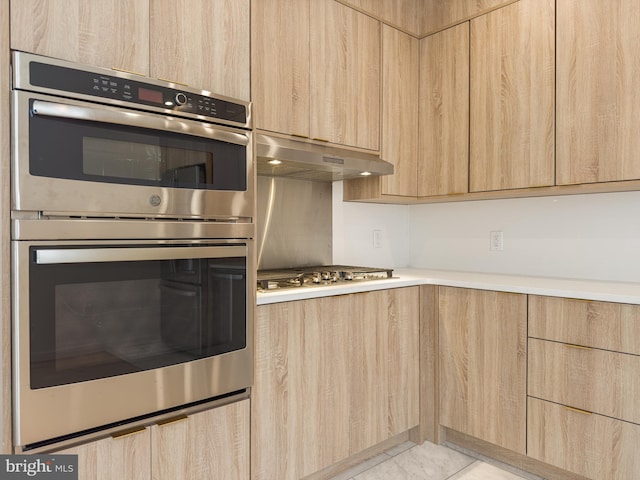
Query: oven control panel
[[114, 85]]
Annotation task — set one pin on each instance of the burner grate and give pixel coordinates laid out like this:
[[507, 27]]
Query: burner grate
[[322, 275]]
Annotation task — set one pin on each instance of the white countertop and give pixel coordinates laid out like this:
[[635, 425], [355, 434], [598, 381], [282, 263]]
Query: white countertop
[[620, 292]]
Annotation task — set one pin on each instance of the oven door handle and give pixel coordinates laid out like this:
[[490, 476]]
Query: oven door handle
[[90, 255], [137, 119]]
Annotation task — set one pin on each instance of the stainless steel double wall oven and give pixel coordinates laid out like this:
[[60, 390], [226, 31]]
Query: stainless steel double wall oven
[[132, 248]]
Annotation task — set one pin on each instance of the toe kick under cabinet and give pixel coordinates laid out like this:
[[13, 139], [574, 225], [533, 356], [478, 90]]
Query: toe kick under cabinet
[[584, 386]]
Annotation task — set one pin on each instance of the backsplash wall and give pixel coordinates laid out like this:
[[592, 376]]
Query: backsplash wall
[[594, 236]]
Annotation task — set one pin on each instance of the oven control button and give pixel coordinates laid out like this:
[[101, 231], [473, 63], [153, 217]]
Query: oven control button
[[180, 98], [155, 200]]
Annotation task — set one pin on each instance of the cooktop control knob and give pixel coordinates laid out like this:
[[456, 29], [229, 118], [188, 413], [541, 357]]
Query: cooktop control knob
[[180, 98]]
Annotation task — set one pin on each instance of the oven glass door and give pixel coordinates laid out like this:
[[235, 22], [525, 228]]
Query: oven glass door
[[97, 145], [98, 312]]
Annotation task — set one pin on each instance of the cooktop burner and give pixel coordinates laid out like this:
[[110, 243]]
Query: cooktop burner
[[314, 276]]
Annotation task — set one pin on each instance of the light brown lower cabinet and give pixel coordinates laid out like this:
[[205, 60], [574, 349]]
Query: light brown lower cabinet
[[125, 457], [588, 444], [203, 446], [584, 381], [333, 376], [598, 381], [483, 365]]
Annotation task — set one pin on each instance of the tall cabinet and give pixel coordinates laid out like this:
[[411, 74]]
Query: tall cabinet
[[202, 43], [110, 33], [199, 43]]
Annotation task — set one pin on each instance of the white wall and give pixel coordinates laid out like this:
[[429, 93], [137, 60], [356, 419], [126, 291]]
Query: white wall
[[353, 226], [594, 236]]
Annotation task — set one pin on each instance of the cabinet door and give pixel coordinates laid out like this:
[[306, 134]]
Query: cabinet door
[[597, 87], [443, 165], [108, 33], [595, 446], [206, 445], [482, 355], [203, 44], [383, 365], [512, 97], [333, 376], [594, 380], [399, 111], [123, 457], [280, 65], [345, 75], [300, 402], [604, 325]]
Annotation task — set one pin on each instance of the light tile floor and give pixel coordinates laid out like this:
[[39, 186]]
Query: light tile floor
[[428, 461]]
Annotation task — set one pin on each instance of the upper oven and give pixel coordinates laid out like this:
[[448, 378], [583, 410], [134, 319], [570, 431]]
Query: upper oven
[[91, 142]]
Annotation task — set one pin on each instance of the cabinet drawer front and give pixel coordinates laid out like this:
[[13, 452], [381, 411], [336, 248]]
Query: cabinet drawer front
[[610, 326], [588, 444], [595, 380]]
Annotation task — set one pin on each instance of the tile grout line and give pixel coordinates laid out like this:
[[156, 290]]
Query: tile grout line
[[475, 460]]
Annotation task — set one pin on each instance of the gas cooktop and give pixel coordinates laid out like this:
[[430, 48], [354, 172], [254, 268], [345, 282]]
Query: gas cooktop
[[314, 276]]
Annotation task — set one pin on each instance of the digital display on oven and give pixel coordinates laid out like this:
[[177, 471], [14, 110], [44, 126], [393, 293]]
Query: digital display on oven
[[147, 95]]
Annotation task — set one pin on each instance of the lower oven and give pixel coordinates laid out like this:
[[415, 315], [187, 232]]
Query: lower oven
[[109, 331]]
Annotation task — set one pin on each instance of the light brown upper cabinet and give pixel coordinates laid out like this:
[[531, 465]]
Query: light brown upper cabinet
[[316, 71], [345, 76], [512, 97], [280, 65], [108, 33], [203, 44], [399, 111], [598, 96], [443, 166], [483, 365], [400, 57], [200, 43]]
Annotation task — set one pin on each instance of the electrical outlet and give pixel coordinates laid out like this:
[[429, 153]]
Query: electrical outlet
[[496, 241], [377, 239]]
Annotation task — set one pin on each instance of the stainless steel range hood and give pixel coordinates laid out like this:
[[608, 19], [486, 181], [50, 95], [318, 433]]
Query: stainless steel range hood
[[283, 157]]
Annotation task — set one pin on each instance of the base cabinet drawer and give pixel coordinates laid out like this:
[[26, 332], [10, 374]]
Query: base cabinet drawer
[[609, 326], [599, 381], [591, 445]]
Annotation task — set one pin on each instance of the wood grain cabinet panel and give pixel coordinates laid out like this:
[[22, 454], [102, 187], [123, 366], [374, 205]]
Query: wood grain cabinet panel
[[210, 444], [512, 97], [399, 111], [443, 165], [605, 325], [333, 376], [405, 14], [399, 129], [109, 33], [595, 380], [126, 457], [203, 44], [345, 76], [280, 65], [595, 446], [482, 356], [597, 93]]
